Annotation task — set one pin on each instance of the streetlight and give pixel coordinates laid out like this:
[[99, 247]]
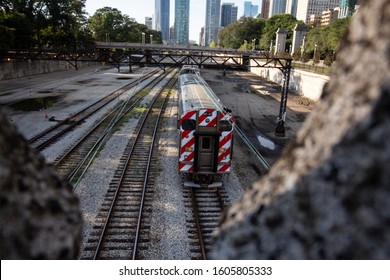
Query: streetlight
[[253, 44], [245, 43], [143, 37], [151, 38], [314, 55], [303, 47]]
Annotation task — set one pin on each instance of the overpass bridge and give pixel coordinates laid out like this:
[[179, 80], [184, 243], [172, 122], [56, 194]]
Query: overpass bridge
[[122, 54]]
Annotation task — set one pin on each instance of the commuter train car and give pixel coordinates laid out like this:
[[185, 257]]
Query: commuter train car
[[206, 132]]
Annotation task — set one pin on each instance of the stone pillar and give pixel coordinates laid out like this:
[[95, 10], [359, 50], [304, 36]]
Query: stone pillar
[[281, 36], [299, 33]]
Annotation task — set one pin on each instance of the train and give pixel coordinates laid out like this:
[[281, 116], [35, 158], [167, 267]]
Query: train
[[206, 130]]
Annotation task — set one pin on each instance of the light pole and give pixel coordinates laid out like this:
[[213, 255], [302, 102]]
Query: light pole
[[253, 44], [303, 47], [143, 38], [151, 38], [314, 55], [271, 46], [245, 43]]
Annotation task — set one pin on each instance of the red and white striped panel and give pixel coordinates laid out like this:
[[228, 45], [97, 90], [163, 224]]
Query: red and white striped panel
[[224, 152], [208, 117], [187, 145]]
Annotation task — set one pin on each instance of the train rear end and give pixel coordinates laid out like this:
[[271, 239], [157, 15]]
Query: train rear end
[[206, 138]]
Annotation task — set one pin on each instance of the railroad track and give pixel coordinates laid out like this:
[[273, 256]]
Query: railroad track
[[76, 160], [52, 134], [204, 208], [122, 225]]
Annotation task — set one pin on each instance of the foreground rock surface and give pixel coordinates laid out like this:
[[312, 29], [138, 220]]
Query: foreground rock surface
[[39, 214], [327, 197]]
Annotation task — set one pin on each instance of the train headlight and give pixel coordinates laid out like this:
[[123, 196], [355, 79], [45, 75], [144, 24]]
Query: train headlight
[[189, 149]]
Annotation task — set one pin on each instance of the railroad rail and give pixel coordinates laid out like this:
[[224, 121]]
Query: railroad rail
[[122, 224], [119, 54], [54, 133], [252, 148], [77, 159], [204, 207]]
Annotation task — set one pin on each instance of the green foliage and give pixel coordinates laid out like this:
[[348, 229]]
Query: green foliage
[[44, 23], [109, 24], [327, 38], [272, 24], [246, 28], [16, 30]]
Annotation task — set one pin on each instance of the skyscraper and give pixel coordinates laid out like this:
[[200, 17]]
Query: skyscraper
[[182, 19], [291, 7], [162, 18], [265, 8], [149, 22], [250, 10], [277, 7], [228, 13], [306, 8], [213, 17], [347, 7]]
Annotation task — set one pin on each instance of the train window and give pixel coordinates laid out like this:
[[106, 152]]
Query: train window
[[225, 126], [206, 143], [189, 124]]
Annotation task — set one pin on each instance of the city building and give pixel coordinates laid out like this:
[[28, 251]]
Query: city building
[[172, 35], [213, 18], [250, 10], [201, 37], [228, 14], [314, 20], [276, 7], [347, 8], [265, 8], [182, 20], [307, 8], [149, 22], [329, 16], [161, 20], [291, 7]]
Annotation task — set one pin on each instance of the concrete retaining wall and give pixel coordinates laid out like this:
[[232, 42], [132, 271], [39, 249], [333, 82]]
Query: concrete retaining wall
[[17, 69], [302, 82]]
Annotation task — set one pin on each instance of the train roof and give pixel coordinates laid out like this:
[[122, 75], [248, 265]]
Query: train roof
[[189, 69], [196, 94]]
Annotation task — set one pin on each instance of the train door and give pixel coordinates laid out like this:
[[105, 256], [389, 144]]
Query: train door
[[206, 153]]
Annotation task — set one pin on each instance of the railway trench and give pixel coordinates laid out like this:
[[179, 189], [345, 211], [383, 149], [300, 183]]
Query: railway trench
[[170, 219]]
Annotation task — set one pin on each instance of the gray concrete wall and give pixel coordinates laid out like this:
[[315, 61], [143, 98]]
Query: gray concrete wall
[[18, 68], [302, 82]]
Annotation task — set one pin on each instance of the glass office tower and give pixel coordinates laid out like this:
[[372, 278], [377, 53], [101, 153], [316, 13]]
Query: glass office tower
[[182, 20], [228, 14], [213, 17], [162, 18]]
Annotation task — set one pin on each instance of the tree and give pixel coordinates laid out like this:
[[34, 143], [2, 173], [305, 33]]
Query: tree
[[246, 28], [45, 23], [16, 30], [272, 24], [109, 24], [327, 38]]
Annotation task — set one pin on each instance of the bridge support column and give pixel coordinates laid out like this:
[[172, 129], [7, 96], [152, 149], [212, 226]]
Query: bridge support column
[[280, 129], [130, 64]]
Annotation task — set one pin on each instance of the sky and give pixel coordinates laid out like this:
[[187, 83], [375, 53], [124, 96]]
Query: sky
[[139, 9]]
